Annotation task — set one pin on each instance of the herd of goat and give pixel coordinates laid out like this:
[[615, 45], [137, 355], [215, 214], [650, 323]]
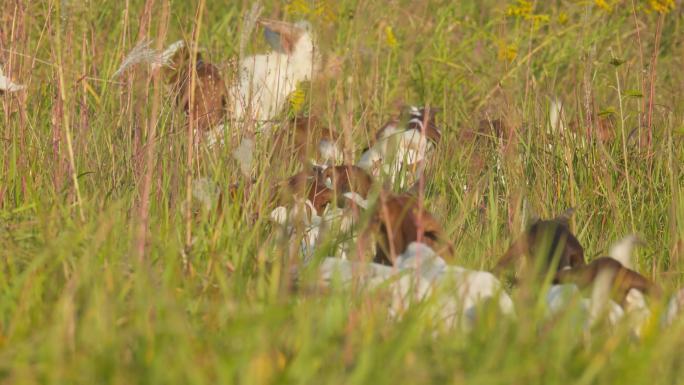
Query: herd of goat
[[371, 215]]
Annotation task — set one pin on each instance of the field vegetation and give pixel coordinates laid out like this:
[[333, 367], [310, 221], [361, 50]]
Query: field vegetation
[[111, 272]]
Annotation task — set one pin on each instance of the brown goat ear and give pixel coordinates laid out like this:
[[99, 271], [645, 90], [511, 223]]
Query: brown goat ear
[[280, 35]]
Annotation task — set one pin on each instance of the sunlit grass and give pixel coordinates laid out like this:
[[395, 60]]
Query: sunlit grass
[[78, 306]]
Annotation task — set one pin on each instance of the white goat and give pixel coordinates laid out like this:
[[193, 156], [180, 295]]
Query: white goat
[[266, 80], [335, 220], [420, 273], [305, 214], [401, 150]]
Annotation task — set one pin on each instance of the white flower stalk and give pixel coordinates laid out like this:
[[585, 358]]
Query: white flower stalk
[[164, 59], [248, 24], [141, 53]]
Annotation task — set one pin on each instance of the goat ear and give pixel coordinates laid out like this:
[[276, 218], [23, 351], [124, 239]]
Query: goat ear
[[280, 35], [274, 40]]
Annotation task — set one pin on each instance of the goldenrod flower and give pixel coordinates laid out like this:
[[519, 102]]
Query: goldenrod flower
[[297, 99], [538, 20], [297, 8], [507, 52], [662, 6], [603, 4], [522, 9], [322, 9], [389, 37]]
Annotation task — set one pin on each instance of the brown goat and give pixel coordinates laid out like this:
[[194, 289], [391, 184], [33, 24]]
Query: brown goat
[[349, 178], [305, 184], [624, 279], [550, 240], [307, 139], [210, 91], [399, 221]]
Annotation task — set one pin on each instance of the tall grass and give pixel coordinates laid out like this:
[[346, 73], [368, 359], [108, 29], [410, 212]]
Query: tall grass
[[108, 275]]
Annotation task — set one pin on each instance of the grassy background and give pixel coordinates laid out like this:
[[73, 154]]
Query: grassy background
[[80, 303]]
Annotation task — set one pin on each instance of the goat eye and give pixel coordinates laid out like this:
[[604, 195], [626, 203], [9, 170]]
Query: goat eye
[[431, 234]]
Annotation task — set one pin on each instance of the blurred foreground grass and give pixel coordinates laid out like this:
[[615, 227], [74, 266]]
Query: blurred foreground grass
[[78, 306]]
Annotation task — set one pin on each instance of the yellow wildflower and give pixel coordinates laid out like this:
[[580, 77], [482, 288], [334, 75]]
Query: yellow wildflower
[[297, 99], [538, 20], [311, 9], [297, 8], [390, 38], [507, 52], [562, 18], [603, 4], [522, 9], [662, 6]]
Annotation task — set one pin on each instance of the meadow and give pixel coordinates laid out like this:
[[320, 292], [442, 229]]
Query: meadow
[[106, 278]]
